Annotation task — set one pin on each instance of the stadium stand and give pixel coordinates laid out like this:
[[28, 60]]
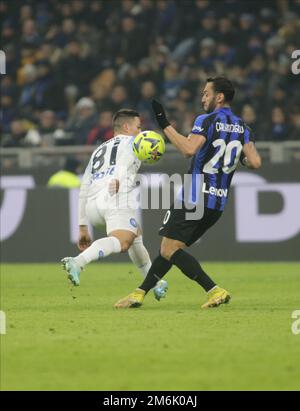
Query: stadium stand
[[71, 64]]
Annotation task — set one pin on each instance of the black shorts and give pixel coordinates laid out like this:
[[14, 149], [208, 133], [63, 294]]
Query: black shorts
[[176, 227]]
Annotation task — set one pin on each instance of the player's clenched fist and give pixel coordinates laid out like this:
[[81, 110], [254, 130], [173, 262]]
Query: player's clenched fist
[[84, 240], [113, 186]]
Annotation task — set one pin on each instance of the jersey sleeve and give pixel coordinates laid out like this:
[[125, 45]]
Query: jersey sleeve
[[248, 135], [83, 193], [201, 126]]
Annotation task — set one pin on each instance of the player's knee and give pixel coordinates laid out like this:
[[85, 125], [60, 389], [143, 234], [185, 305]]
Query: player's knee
[[166, 252]]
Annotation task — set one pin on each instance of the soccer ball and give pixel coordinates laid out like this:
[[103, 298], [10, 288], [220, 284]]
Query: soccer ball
[[149, 146]]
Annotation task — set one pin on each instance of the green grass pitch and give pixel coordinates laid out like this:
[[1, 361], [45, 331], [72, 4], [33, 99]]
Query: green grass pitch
[[61, 338]]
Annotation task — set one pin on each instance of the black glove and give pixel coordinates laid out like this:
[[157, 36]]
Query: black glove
[[160, 114]]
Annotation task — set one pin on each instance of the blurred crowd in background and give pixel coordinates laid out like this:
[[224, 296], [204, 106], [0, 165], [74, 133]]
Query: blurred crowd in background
[[71, 64]]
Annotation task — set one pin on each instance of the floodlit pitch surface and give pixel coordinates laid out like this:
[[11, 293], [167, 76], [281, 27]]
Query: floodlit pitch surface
[[61, 338]]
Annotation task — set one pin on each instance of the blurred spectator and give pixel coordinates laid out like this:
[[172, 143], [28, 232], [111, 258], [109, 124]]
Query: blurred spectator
[[103, 131], [39, 91], [226, 32], [173, 80], [119, 98], [25, 12], [279, 130], [8, 33], [165, 20], [44, 98], [225, 55], [47, 127], [67, 33], [82, 121], [131, 35], [30, 34], [245, 30], [21, 134], [208, 26], [146, 16], [16, 135], [27, 98], [207, 53], [249, 116], [279, 97], [9, 111], [67, 177], [76, 66], [148, 92]]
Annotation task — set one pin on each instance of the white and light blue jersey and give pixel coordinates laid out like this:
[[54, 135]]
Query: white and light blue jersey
[[114, 159]]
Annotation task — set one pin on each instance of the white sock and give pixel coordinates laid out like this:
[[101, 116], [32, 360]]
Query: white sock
[[99, 249], [140, 256]]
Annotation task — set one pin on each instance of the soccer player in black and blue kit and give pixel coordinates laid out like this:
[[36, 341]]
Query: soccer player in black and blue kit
[[219, 139]]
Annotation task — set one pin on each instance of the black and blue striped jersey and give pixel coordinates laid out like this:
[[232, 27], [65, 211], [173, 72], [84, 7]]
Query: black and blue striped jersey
[[217, 159]]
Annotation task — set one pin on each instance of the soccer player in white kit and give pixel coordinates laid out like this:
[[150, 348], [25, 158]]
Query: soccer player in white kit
[[107, 196]]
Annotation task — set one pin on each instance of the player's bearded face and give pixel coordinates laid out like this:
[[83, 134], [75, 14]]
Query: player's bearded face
[[210, 105], [208, 98]]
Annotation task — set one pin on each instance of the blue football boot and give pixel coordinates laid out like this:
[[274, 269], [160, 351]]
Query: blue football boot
[[73, 269], [160, 290]]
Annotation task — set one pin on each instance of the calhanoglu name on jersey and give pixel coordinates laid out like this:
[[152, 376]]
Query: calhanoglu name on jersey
[[219, 192], [229, 128]]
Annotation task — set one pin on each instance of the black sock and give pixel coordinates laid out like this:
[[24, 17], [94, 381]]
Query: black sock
[[192, 269], [158, 269]]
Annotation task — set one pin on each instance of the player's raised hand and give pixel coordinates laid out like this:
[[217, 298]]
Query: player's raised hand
[[160, 114]]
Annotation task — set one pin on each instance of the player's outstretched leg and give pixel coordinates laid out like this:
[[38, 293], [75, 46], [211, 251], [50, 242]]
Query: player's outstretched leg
[[98, 249], [159, 268], [73, 269], [192, 269], [216, 297], [136, 298], [141, 259]]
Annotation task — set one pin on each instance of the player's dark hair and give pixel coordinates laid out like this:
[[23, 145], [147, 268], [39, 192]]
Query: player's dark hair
[[223, 85], [121, 116]]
